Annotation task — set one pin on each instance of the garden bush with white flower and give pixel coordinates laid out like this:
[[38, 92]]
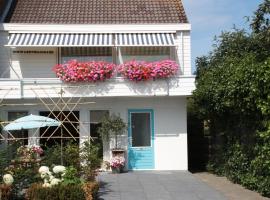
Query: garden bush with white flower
[[52, 178], [61, 183], [22, 177]]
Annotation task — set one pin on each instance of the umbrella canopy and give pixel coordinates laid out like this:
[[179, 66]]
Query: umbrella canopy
[[31, 122]]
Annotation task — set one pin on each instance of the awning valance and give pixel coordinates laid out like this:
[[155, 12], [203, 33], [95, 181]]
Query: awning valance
[[59, 39], [90, 39], [145, 39]]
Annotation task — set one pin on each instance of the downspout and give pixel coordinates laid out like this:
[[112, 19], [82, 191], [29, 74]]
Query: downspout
[[6, 10]]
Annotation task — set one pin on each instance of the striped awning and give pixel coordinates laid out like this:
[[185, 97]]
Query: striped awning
[[145, 39], [59, 39]]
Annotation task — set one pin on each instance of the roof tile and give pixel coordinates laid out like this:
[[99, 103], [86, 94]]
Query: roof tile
[[98, 12]]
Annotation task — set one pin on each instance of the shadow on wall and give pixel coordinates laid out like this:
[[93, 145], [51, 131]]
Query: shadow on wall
[[152, 86], [94, 89]]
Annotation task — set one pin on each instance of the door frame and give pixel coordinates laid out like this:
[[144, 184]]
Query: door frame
[[152, 119]]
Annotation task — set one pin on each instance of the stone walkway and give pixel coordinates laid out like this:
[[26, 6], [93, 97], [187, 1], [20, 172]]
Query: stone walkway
[[155, 185], [230, 190]]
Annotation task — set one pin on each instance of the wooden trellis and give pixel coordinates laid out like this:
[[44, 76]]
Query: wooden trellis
[[61, 104]]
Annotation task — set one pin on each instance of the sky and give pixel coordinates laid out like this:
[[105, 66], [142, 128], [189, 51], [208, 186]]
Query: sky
[[210, 17]]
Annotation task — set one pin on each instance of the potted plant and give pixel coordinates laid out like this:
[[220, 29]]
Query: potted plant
[[113, 126], [117, 163]]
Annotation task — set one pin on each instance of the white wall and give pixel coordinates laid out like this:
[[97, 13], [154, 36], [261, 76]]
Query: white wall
[[183, 43], [33, 65], [169, 124]]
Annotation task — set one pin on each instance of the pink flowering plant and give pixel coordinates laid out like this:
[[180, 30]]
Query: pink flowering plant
[[135, 70], [164, 69], [117, 162], [37, 149], [29, 152], [92, 71], [142, 71]]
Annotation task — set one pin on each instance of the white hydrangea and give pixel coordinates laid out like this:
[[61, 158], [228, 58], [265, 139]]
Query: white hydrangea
[[51, 177], [8, 179], [44, 169], [59, 169], [55, 181], [46, 185], [43, 175]]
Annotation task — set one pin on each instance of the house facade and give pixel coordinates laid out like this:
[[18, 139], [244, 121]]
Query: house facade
[[35, 35]]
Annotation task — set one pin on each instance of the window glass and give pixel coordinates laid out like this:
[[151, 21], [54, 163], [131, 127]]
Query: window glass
[[84, 54], [144, 53], [141, 129]]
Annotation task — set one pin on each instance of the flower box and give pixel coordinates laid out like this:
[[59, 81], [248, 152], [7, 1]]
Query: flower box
[[142, 71], [74, 71]]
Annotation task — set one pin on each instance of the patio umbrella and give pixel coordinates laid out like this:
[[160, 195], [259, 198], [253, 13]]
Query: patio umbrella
[[31, 122]]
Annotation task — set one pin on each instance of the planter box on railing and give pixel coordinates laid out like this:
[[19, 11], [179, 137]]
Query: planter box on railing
[[142, 71], [74, 71]]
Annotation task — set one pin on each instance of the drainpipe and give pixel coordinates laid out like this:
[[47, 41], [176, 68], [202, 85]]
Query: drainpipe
[[5, 10]]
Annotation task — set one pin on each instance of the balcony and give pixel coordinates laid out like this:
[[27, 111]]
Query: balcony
[[29, 88]]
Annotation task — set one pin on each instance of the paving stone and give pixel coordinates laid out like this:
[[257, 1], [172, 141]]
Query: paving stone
[[155, 185]]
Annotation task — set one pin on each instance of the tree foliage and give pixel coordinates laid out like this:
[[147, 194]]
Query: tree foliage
[[233, 94]]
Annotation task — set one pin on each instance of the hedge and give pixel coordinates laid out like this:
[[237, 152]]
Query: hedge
[[85, 191]]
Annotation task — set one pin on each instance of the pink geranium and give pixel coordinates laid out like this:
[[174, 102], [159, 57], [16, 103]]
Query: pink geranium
[[164, 69], [141, 71], [135, 70], [74, 71]]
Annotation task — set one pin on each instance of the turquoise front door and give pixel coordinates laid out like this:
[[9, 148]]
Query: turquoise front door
[[141, 139]]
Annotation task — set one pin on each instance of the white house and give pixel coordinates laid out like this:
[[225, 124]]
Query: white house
[[35, 35]]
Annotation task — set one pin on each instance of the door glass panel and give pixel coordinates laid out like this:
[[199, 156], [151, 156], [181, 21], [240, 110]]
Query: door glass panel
[[141, 129]]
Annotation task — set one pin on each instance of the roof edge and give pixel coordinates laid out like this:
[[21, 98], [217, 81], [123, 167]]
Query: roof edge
[[91, 28], [182, 7]]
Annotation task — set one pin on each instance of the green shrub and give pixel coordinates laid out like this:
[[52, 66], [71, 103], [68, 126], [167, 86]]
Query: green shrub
[[264, 186], [89, 156], [85, 191], [8, 153], [237, 164], [71, 176], [70, 155], [246, 165]]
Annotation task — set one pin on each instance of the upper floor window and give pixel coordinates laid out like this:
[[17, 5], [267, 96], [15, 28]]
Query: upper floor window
[[84, 54], [144, 53]]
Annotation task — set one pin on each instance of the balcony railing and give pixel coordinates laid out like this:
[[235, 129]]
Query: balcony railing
[[51, 88]]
